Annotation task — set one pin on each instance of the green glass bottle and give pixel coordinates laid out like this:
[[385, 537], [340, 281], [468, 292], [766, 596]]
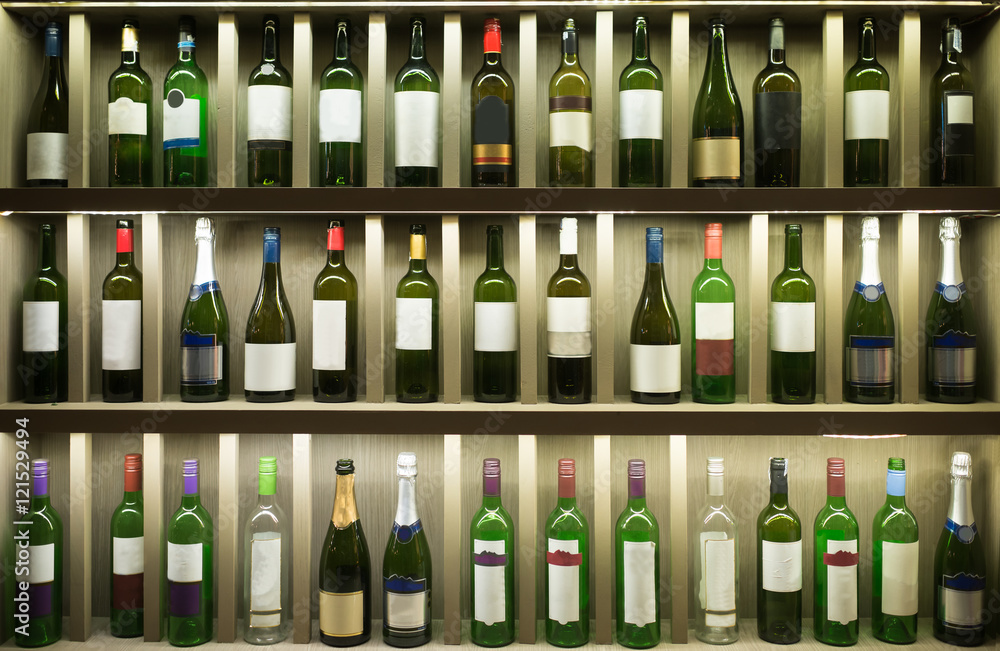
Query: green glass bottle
[[47, 150], [779, 563], [655, 339], [269, 116], [713, 327], [417, 116], [130, 116], [717, 564], [269, 361], [190, 536], [266, 550], [717, 129], [568, 319], [493, 116], [121, 323], [637, 566], [204, 326], [777, 117], [41, 538], [866, 115], [417, 308], [44, 368], [895, 560], [835, 586], [494, 357], [953, 128], [793, 327], [567, 562], [185, 115], [491, 580], [640, 116], [127, 558], [335, 324], [341, 107], [571, 120]]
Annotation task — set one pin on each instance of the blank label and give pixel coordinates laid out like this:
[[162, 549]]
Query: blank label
[[40, 327], [184, 562], [655, 369], [415, 117], [719, 558], [495, 327], [793, 327], [181, 120], [127, 555], [899, 578], [959, 109], [265, 572], [961, 607], [640, 114], [842, 584], [339, 115], [47, 154], [329, 335], [564, 584], [639, 586], [714, 320], [41, 563], [269, 113], [121, 335], [414, 323], [406, 611], [127, 118], [342, 614], [781, 566], [571, 129], [491, 596], [269, 367], [866, 115]]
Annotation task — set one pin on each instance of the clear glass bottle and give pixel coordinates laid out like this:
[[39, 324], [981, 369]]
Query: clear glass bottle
[[717, 565], [266, 543]]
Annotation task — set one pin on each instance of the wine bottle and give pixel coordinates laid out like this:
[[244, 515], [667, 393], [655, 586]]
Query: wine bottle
[[951, 326], [571, 123], [894, 562], [713, 326], [40, 535], [269, 116], [494, 359], [493, 116], [567, 307], [779, 563], [127, 555], [44, 368], [406, 567], [269, 364], [717, 146], [341, 107], [640, 116], [130, 116], [866, 115], [953, 128], [960, 566], [121, 323], [416, 116], [345, 570], [655, 340], [204, 326], [335, 324], [717, 566], [48, 122], [835, 595], [190, 536], [417, 309], [637, 566], [266, 546], [777, 117], [567, 562], [185, 115], [491, 581], [793, 327]]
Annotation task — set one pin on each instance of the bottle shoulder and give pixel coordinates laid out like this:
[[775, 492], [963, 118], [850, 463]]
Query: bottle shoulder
[[184, 75], [417, 76], [640, 75], [866, 75], [344, 76], [335, 283], [418, 284], [566, 521], [565, 283], [495, 285], [833, 519], [569, 81], [270, 74], [776, 79]]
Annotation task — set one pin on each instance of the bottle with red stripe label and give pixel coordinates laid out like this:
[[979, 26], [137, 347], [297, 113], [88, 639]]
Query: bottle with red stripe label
[[713, 324], [335, 324], [121, 323], [493, 116], [567, 588], [127, 555], [835, 596]]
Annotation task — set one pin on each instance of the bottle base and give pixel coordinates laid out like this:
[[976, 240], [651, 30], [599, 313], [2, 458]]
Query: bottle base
[[416, 399], [269, 396], [671, 398], [352, 640], [406, 642], [494, 399]]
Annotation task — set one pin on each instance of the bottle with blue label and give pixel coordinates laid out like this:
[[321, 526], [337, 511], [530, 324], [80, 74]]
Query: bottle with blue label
[[205, 327], [185, 115]]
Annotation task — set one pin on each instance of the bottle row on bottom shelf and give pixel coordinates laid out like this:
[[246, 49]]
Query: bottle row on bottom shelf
[[346, 590]]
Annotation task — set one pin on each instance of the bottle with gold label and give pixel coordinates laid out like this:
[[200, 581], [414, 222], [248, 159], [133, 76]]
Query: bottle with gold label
[[717, 130]]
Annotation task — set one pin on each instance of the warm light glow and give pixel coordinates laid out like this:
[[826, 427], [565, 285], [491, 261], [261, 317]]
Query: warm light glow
[[864, 436]]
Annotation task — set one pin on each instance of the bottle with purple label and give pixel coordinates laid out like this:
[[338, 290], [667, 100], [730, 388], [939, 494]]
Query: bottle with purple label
[[127, 555], [491, 581], [190, 536]]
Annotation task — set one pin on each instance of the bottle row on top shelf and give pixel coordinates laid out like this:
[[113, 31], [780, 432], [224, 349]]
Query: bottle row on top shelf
[[718, 136]]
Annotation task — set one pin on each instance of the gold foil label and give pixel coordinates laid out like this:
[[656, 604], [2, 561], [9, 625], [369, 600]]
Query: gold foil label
[[130, 39], [418, 247], [341, 614], [345, 508], [492, 154], [716, 158]]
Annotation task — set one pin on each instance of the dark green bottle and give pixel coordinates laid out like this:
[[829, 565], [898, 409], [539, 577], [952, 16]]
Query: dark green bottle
[[417, 306], [269, 116], [335, 324], [127, 556], [866, 115], [567, 563], [185, 115], [491, 579], [655, 337], [793, 327], [130, 116], [204, 326], [637, 566], [493, 116], [640, 116], [121, 323], [269, 362], [953, 127], [571, 118], [190, 536], [777, 117], [48, 122], [835, 586], [895, 560], [44, 368], [341, 107], [717, 145], [417, 116], [494, 357], [779, 563]]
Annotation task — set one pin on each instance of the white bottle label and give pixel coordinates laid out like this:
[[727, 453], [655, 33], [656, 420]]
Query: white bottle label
[[842, 584], [41, 563], [717, 591], [127, 555], [265, 579], [181, 120], [781, 564], [564, 581], [329, 335], [568, 324], [495, 327], [416, 120], [269, 367], [655, 369], [961, 607], [714, 321], [184, 562], [40, 327], [414, 323], [491, 597], [47, 155], [127, 118], [866, 115], [640, 114], [639, 587], [339, 115], [406, 611], [959, 110], [121, 335], [793, 327], [269, 113], [571, 129], [899, 578]]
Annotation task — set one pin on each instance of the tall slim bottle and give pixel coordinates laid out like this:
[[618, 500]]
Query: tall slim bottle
[[266, 548], [717, 565], [417, 116], [866, 115], [567, 308], [44, 368], [204, 326], [127, 555], [269, 362], [835, 583], [895, 560], [185, 115], [130, 116], [637, 566], [640, 116], [953, 127], [494, 357], [47, 151], [717, 129], [655, 339], [571, 123], [190, 536], [779, 563], [121, 323], [406, 567], [777, 117], [493, 116], [567, 562], [341, 106], [417, 308], [793, 327], [269, 116], [335, 324], [491, 581], [713, 326]]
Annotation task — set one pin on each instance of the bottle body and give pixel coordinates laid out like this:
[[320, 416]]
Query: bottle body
[[835, 597], [777, 117], [571, 122], [640, 116], [185, 115], [42, 539], [637, 551], [269, 116], [417, 116], [269, 361], [494, 356], [335, 325], [190, 536], [47, 147], [779, 563], [44, 366], [493, 116], [567, 563], [655, 340], [568, 322], [266, 550], [341, 107], [793, 327], [953, 127], [130, 117], [126, 549], [205, 327], [716, 565], [121, 323], [866, 115], [492, 576], [717, 130], [713, 327], [895, 543], [417, 312]]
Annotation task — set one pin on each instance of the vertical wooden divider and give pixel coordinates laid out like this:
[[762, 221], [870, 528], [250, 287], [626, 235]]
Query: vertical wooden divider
[[760, 304], [451, 296], [227, 521], [527, 534], [8, 455], [451, 108], [528, 306], [527, 282], [374, 310], [80, 519], [453, 538], [527, 91], [375, 127], [679, 539], [833, 99], [909, 325], [451, 307], [680, 108], [78, 269], [606, 307], [833, 304], [154, 537], [604, 94], [79, 101], [302, 518], [152, 307], [604, 585], [302, 102], [909, 100], [227, 92]]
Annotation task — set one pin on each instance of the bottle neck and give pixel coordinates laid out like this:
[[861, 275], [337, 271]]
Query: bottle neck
[[52, 71], [132, 497], [779, 500], [342, 45], [38, 502], [567, 492], [130, 46], [713, 252], [185, 54], [838, 502], [125, 249], [204, 268], [866, 45], [951, 268], [494, 252], [417, 43], [869, 263], [345, 506], [776, 47], [718, 57], [491, 492], [270, 47], [951, 46], [960, 511], [716, 490], [568, 261], [793, 251], [271, 274], [570, 48], [265, 500], [406, 505], [190, 501], [640, 42], [491, 47], [47, 250], [418, 253]]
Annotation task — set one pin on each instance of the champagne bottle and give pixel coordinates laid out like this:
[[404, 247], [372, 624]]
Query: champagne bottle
[[835, 595], [951, 326], [777, 117], [655, 340], [493, 116], [953, 129], [869, 330], [491, 580], [406, 567], [567, 310], [637, 566], [204, 326], [416, 116], [341, 107], [42, 539], [793, 327], [185, 115], [44, 368], [127, 555], [494, 358], [571, 124], [894, 562], [717, 148], [717, 566], [960, 566], [266, 546], [130, 116], [417, 307], [640, 116], [48, 122], [713, 326], [866, 115], [335, 324], [269, 364], [567, 562], [190, 536], [269, 116], [121, 323], [779, 563]]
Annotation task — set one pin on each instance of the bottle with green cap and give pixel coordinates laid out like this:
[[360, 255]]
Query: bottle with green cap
[[266, 544], [895, 561]]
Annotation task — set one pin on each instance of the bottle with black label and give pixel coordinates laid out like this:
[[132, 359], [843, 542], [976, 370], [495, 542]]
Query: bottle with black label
[[953, 131], [493, 116], [777, 117]]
